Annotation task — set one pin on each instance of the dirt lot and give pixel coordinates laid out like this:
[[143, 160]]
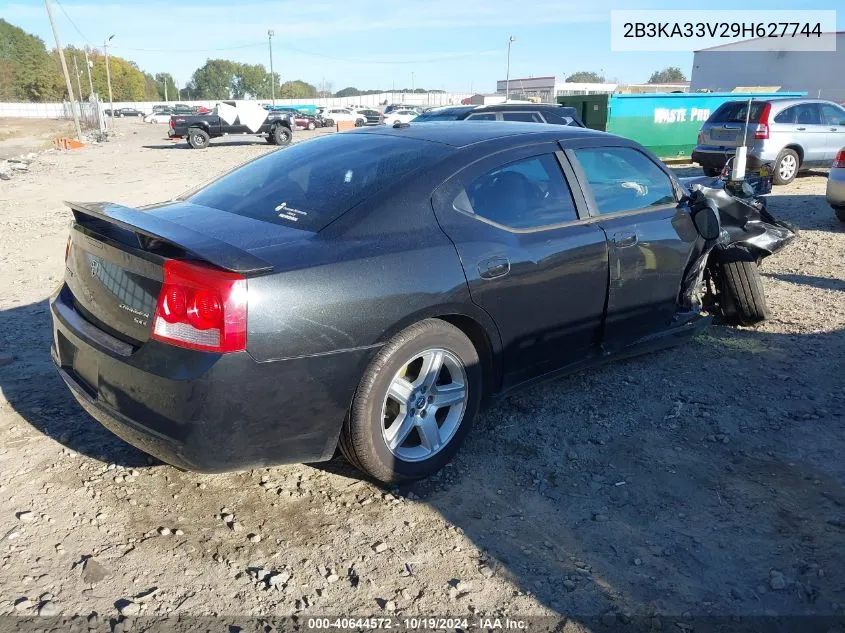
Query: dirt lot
[[19, 136], [703, 480]]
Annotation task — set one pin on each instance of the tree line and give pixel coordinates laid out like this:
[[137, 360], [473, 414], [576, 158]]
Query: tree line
[[29, 71], [669, 75]]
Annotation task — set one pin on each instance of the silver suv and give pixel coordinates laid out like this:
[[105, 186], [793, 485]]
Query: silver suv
[[792, 134]]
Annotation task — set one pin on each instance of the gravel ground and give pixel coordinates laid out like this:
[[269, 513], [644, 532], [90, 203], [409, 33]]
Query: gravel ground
[[703, 480]]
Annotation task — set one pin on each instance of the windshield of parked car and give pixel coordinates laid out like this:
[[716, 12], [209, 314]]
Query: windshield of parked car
[[445, 114], [310, 184]]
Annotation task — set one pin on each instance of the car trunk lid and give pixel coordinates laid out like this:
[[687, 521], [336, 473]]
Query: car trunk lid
[[116, 254]]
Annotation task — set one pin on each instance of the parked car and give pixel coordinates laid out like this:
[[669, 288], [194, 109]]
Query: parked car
[[162, 116], [836, 185], [372, 117], [333, 115], [792, 134], [371, 290], [307, 121], [199, 129], [526, 113], [398, 106], [124, 112], [400, 116]]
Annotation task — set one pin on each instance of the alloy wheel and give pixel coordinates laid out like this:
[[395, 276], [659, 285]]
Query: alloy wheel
[[424, 405], [787, 167]]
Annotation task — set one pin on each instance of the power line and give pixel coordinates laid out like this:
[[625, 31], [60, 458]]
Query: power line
[[189, 50], [70, 19]]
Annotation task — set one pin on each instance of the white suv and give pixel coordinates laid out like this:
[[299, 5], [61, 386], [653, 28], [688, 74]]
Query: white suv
[[333, 115]]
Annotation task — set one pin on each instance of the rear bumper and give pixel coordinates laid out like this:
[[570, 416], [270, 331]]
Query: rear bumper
[[717, 158], [202, 411], [836, 187]]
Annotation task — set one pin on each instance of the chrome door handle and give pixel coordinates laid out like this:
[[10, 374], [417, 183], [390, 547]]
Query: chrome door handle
[[625, 239], [801, 129]]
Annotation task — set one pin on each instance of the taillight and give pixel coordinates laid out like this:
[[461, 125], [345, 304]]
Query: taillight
[[762, 130], [839, 161], [201, 307], [172, 125], [700, 138]]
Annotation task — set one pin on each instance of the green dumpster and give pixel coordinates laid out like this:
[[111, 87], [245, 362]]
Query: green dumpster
[[591, 108]]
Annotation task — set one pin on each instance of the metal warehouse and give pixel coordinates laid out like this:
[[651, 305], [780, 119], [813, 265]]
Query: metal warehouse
[[820, 74]]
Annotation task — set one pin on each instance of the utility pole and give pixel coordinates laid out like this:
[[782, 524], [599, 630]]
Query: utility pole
[[270, 34], [165, 88], [508, 71], [178, 92], [64, 69], [88, 65], [108, 78], [412, 81], [78, 84]]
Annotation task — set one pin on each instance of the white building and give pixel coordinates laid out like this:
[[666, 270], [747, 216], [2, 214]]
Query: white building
[[546, 89], [724, 68]]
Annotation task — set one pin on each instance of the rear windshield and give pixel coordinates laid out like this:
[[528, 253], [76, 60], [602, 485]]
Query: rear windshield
[[447, 114], [735, 112], [310, 184]]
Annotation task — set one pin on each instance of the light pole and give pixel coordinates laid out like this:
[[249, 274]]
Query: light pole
[[270, 34], [108, 78], [508, 71], [88, 65]]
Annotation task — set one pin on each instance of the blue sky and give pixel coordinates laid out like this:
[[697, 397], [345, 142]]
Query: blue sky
[[456, 45]]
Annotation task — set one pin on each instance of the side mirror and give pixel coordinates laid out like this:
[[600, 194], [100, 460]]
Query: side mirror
[[705, 216]]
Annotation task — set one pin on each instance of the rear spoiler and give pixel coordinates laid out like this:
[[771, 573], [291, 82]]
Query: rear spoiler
[[210, 249]]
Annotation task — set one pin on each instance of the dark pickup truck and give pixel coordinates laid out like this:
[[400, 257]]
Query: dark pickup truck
[[199, 129]]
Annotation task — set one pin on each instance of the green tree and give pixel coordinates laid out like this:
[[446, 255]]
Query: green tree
[[348, 92], [27, 70], [166, 79], [296, 89], [216, 79], [669, 75], [585, 77]]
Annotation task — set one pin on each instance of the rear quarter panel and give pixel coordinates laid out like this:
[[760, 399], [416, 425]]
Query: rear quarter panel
[[356, 283]]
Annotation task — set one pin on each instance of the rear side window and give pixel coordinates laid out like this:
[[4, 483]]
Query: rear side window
[[525, 194], [623, 179], [446, 114], [310, 184], [736, 111], [528, 117], [808, 114], [787, 116]]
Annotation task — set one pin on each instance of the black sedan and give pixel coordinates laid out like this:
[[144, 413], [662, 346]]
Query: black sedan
[[370, 291]]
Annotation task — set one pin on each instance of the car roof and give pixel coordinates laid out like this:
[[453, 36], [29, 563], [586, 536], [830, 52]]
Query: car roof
[[518, 106], [464, 133], [781, 101]]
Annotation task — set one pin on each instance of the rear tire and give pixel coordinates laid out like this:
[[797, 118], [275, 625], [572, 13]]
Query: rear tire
[[743, 296], [197, 138], [840, 213], [281, 135], [786, 167], [711, 172], [376, 413]]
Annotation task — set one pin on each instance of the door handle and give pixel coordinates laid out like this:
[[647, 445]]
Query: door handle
[[624, 239], [494, 267], [834, 129], [801, 129]]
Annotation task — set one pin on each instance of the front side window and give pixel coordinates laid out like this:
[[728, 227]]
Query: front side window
[[525, 194], [527, 117], [833, 115], [624, 179]]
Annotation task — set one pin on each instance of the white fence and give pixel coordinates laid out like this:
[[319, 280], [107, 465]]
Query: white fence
[[62, 110]]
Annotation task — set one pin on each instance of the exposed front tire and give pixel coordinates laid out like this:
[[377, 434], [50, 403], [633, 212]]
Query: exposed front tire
[[415, 403], [840, 213], [311, 125], [359, 122], [281, 135], [786, 167], [197, 138], [743, 297]]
